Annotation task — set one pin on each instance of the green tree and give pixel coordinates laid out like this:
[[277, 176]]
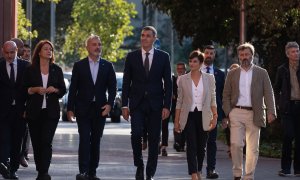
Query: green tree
[[202, 20], [23, 24], [109, 19]]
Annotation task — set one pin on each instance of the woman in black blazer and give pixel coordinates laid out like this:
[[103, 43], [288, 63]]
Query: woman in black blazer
[[44, 82]]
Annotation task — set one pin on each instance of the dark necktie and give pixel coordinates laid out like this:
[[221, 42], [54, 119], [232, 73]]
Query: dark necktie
[[207, 69], [12, 74], [146, 64]]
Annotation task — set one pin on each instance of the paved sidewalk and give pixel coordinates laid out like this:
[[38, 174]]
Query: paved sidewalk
[[116, 162]]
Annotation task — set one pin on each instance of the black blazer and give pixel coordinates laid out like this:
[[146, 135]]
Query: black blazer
[[33, 78], [6, 88], [220, 80], [157, 87], [282, 87], [82, 88]]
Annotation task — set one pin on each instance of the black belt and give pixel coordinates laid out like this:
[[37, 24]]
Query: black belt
[[295, 102], [244, 107]]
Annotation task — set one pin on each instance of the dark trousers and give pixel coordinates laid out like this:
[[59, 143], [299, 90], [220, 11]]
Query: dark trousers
[[90, 129], [143, 116], [291, 132], [12, 128], [25, 142], [211, 150], [42, 131], [196, 139], [165, 132]]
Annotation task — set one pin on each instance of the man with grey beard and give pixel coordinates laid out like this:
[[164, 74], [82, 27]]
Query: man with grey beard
[[247, 94]]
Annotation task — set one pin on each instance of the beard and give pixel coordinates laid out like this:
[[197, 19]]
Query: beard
[[208, 61], [245, 63]]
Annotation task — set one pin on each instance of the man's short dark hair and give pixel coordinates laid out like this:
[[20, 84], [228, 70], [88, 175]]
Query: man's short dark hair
[[150, 28], [181, 64], [26, 46], [209, 47]]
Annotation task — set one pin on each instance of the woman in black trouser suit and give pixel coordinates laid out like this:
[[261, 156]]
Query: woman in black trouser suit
[[196, 112], [45, 85]]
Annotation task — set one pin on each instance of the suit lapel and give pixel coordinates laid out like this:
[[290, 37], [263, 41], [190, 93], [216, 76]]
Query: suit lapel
[[140, 62], [88, 69], [205, 86], [100, 71], [4, 71], [236, 78], [188, 85], [154, 61], [254, 80]]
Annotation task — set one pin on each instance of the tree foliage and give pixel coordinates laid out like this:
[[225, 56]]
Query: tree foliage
[[23, 24], [270, 24], [202, 20], [109, 19]]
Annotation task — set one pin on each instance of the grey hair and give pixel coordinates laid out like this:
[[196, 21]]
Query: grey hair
[[92, 36], [291, 44]]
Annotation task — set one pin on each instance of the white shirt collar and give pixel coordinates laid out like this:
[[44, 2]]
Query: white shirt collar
[[250, 69], [150, 52], [90, 60], [14, 61]]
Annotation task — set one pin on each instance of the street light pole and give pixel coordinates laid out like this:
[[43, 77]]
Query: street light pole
[[52, 22], [29, 17], [242, 22]]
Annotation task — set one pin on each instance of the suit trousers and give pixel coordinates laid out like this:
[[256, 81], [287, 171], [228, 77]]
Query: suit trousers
[[42, 131], [290, 125], [25, 142], [11, 131], [145, 116], [243, 129], [165, 132], [196, 139], [90, 129], [211, 150]]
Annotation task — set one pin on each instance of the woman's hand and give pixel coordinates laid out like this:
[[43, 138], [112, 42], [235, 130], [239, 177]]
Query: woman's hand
[[213, 122], [37, 90], [51, 89]]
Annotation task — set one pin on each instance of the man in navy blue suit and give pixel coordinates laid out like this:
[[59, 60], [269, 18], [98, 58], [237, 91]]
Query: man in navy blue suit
[[92, 77], [12, 107], [146, 97], [208, 67]]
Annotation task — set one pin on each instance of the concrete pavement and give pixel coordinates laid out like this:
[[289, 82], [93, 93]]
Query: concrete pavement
[[116, 162]]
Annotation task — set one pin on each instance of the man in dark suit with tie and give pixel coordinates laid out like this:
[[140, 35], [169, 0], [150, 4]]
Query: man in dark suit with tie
[[146, 97], [92, 77], [12, 107], [211, 148]]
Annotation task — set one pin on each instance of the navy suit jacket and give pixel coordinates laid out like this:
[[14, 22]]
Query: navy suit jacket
[[220, 80], [82, 88], [157, 86], [6, 88], [33, 78]]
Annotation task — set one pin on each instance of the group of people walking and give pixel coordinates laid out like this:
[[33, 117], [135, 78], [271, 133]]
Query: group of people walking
[[244, 101]]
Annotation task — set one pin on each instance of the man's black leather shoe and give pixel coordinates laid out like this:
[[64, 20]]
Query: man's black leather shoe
[[13, 175], [43, 176], [212, 175], [139, 175], [4, 171], [82, 176], [94, 177], [149, 178], [237, 178]]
